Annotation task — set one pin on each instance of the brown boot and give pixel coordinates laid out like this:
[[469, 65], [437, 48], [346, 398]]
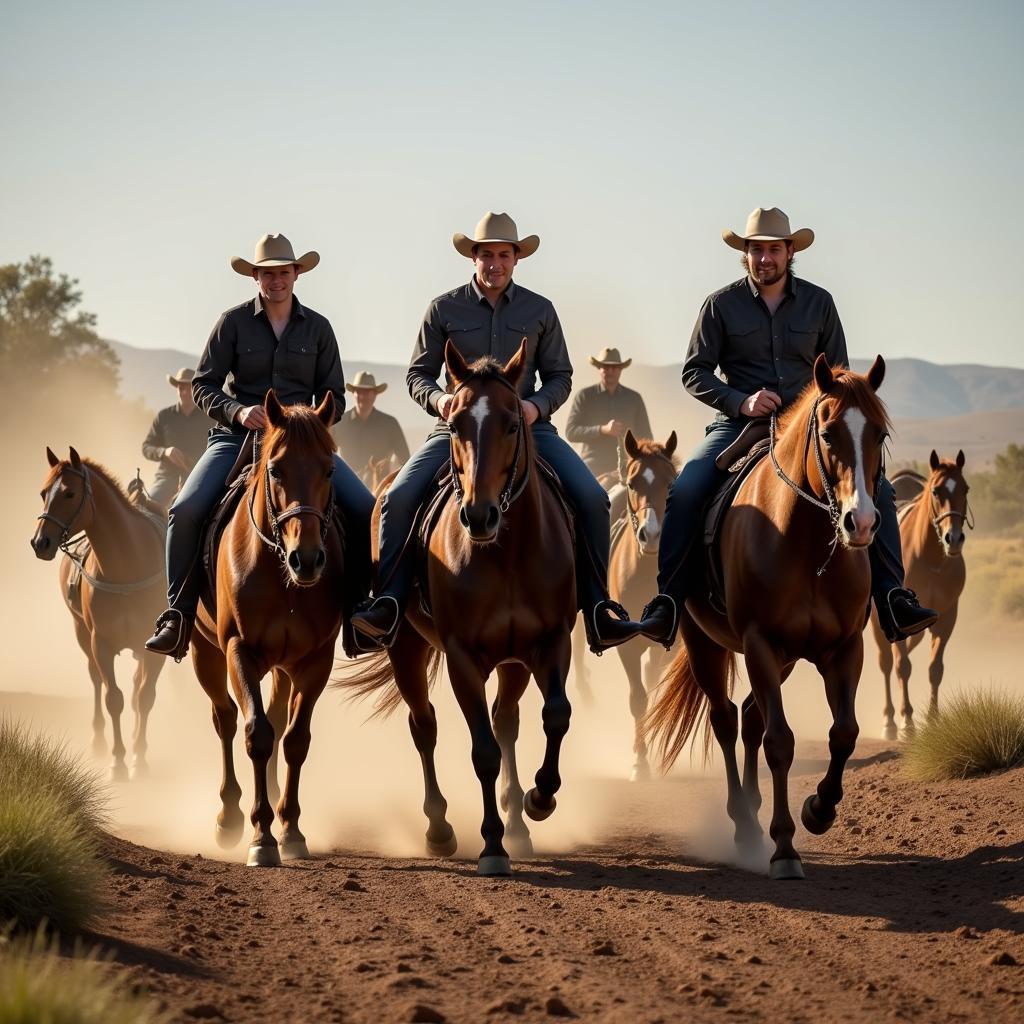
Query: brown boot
[[172, 634]]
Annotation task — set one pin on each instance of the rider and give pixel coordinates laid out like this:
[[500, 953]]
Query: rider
[[176, 439], [365, 432], [491, 315], [598, 420], [271, 341], [764, 332]]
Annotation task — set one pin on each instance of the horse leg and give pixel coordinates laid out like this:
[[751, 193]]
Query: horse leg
[[409, 655], [308, 682], [246, 670], [114, 701], [631, 656], [468, 681], [841, 674], [765, 672], [147, 671], [277, 715], [752, 733], [512, 682], [941, 632], [903, 668], [84, 638], [581, 673], [212, 672], [550, 673], [885, 663]]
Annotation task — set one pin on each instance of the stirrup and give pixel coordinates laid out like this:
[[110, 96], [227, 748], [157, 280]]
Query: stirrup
[[181, 644], [365, 644], [674, 622]]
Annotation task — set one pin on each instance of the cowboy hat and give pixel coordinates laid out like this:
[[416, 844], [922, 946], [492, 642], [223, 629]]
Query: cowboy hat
[[609, 357], [183, 376], [274, 251], [365, 382], [496, 227], [769, 226]]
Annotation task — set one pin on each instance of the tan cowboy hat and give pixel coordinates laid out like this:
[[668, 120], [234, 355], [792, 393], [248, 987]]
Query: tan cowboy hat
[[769, 226], [609, 357], [365, 382], [183, 376], [274, 251], [496, 227]]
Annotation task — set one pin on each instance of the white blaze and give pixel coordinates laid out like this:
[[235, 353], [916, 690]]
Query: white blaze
[[951, 486], [479, 412], [648, 475], [650, 523], [861, 499]]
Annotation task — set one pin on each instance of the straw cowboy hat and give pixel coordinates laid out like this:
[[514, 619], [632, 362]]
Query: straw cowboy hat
[[183, 376], [769, 226], [496, 227], [609, 357], [365, 382], [274, 251]]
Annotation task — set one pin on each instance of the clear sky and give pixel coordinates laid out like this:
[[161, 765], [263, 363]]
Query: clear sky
[[145, 144]]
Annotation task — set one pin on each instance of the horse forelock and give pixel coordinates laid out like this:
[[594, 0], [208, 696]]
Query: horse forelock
[[303, 427], [646, 448]]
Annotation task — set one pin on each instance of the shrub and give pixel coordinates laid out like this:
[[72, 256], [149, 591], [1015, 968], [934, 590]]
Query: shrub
[[36, 984], [1009, 598], [51, 811], [973, 734]]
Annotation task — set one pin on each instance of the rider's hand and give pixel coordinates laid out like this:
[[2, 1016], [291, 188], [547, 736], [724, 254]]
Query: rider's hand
[[444, 406], [531, 412], [760, 403], [614, 428], [176, 457], [252, 417]]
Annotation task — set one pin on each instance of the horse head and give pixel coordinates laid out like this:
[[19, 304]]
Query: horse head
[[490, 439], [851, 426], [946, 491], [295, 470], [649, 474], [66, 506]]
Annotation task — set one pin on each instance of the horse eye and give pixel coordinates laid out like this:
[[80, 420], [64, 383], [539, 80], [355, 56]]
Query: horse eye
[[513, 428], [827, 438], [935, 491], [883, 438], [274, 471], [329, 473]]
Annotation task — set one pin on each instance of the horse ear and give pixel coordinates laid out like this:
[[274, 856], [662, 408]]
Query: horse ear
[[325, 410], [960, 460], [629, 443], [273, 408], [877, 373], [933, 459], [51, 458], [823, 374], [670, 444], [458, 371], [513, 369], [76, 459]]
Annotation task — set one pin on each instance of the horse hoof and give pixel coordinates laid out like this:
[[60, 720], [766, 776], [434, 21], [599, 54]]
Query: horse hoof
[[890, 732], [520, 846], [640, 773], [534, 810], [118, 772], [263, 857], [295, 849], [908, 732], [786, 870], [812, 822], [227, 837], [494, 867], [140, 771], [444, 847]]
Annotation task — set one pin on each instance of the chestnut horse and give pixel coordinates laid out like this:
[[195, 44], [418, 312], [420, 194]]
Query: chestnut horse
[[797, 583], [932, 538], [502, 594], [277, 608], [113, 588], [633, 572]]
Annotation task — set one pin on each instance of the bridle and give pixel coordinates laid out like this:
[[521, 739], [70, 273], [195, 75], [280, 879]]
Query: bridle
[[966, 517], [66, 537], [511, 490], [634, 513]]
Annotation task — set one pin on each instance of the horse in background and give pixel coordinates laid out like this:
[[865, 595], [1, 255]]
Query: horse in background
[[375, 472], [633, 572], [501, 590], [797, 584], [276, 608], [113, 581], [932, 537]]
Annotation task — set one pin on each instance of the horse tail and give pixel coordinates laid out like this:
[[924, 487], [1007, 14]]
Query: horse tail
[[680, 707], [374, 675]]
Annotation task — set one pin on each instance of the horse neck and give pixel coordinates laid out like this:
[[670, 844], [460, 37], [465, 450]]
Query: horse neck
[[117, 530], [795, 454], [926, 540]]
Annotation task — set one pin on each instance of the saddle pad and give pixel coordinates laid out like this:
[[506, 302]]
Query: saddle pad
[[214, 529]]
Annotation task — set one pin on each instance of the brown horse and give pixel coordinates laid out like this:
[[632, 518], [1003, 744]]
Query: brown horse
[[277, 608], [502, 593], [797, 582], [633, 571], [375, 472], [113, 586], [932, 538]]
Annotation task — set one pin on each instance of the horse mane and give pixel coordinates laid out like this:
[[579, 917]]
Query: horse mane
[[855, 392], [301, 424]]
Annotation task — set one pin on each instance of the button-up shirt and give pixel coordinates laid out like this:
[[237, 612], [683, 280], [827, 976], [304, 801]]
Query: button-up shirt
[[302, 367], [591, 409], [757, 349], [171, 428], [476, 329], [378, 436]]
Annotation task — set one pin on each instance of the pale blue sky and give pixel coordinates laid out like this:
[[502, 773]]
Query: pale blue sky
[[144, 145]]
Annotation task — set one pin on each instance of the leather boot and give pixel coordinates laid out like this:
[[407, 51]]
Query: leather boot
[[607, 625], [901, 615], [660, 620], [172, 634], [375, 624]]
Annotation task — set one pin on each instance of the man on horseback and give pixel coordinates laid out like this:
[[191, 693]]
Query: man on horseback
[[176, 439], [271, 341], [493, 316], [764, 332], [366, 433], [598, 420]]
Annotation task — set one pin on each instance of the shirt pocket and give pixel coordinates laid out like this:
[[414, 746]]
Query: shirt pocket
[[300, 362], [254, 363], [469, 336], [744, 343], [802, 340]]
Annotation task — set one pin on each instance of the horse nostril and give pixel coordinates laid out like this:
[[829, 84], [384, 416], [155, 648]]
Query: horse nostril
[[948, 539], [294, 562], [321, 559], [642, 535], [464, 517], [493, 518], [848, 523]]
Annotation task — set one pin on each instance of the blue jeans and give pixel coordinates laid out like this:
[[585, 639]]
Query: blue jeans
[[587, 497], [200, 494], [697, 482]]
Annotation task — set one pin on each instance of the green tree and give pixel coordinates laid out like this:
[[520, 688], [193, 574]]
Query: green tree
[[997, 493], [44, 337]]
